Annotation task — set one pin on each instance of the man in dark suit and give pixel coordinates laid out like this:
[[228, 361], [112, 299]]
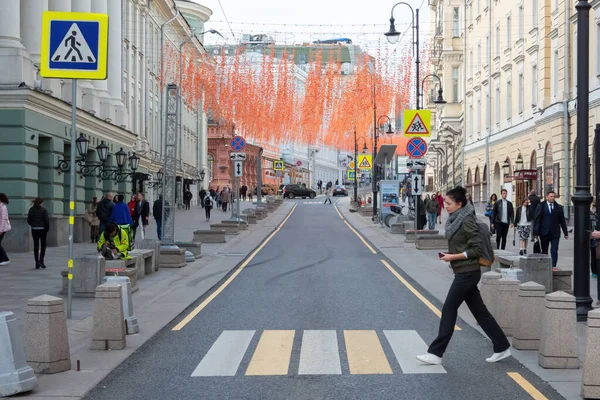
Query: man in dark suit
[[549, 220], [503, 216], [534, 202]]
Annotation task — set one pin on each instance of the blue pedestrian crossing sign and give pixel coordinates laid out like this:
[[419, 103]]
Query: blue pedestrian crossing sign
[[74, 45], [351, 175]]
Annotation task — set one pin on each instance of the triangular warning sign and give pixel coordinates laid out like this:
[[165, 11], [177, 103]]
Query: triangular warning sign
[[74, 48], [364, 163], [417, 127]]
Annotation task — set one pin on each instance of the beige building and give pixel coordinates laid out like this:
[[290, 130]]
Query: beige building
[[519, 111]]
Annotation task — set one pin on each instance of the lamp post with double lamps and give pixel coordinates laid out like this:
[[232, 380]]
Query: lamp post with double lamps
[[440, 98], [375, 171]]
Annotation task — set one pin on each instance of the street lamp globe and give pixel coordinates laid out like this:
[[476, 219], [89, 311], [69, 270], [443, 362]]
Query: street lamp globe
[[202, 175], [159, 175], [364, 150], [82, 145], [505, 167], [392, 35], [519, 163], [134, 161], [102, 150], [440, 98], [389, 130], [120, 158]]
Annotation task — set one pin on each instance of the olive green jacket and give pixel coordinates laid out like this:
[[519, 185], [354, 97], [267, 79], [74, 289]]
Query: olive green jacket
[[466, 239]]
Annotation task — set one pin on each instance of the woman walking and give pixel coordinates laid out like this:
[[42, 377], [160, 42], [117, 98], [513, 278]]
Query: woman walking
[[327, 196], [438, 197], [4, 227], [489, 209], [464, 250], [433, 208], [93, 220], [523, 226], [207, 203], [40, 224]]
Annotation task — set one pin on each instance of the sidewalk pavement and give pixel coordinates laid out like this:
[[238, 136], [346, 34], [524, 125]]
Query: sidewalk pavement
[[435, 277], [162, 295]]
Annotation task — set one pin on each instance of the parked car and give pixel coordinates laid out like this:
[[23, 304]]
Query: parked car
[[292, 191], [339, 190]]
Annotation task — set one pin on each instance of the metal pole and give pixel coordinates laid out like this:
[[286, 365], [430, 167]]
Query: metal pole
[[454, 166], [582, 197], [72, 195], [355, 168], [597, 170], [259, 177], [417, 62], [374, 168]]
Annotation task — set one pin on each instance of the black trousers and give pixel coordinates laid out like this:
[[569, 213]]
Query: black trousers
[[501, 234], [546, 242], [39, 238], [464, 288], [224, 204], [3, 256], [207, 210]]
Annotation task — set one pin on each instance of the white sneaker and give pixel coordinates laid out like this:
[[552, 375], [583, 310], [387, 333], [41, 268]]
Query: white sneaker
[[498, 356], [430, 359], [4, 262]]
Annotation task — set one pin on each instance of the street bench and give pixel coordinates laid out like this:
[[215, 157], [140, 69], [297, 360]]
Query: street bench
[[229, 229], [411, 234], [209, 236], [172, 257], [150, 244], [144, 261], [240, 225], [192, 247], [431, 242]]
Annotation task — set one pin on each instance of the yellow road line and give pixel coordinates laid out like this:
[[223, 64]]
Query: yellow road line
[[272, 354], [365, 354], [415, 292], [528, 387], [355, 232], [210, 298]]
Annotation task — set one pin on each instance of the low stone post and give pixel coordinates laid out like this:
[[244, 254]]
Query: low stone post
[[109, 322], [528, 322], [506, 308], [46, 339], [15, 375], [489, 290], [537, 268], [131, 322], [559, 343], [590, 386]]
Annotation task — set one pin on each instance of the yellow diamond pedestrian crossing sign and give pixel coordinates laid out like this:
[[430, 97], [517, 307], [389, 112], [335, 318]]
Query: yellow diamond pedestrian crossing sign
[[417, 123], [365, 161], [278, 165]]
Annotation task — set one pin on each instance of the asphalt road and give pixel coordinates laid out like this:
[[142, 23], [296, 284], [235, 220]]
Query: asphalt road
[[315, 315]]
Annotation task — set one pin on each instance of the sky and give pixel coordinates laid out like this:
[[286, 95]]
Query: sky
[[363, 21]]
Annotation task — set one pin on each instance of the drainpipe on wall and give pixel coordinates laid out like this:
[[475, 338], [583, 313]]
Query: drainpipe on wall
[[464, 131], [566, 117], [489, 110]]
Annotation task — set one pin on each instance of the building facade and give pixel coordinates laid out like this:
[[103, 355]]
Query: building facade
[[122, 111]]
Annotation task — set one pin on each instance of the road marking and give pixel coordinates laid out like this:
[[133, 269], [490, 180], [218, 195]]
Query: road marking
[[415, 292], [528, 387], [319, 354], [406, 346], [210, 298], [272, 354], [355, 232], [365, 354], [225, 355]]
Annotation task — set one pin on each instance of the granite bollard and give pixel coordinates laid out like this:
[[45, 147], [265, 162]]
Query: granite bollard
[[150, 244], [398, 228], [109, 332], [145, 259], [528, 321], [537, 268], [15, 375], [193, 247], [172, 257], [411, 234], [131, 322], [46, 340], [88, 271], [506, 308], [209, 236], [489, 290], [590, 385], [559, 342], [431, 242]]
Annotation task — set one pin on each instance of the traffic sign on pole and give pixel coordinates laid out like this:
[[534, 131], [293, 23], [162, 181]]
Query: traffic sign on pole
[[417, 185], [365, 161], [351, 175], [238, 143], [417, 122], [278, 165], [74, 45], [238, 168], [237, 156], [416, 148]]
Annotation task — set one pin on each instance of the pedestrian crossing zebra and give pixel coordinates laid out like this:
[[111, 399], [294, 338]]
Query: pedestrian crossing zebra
[[319, 353]]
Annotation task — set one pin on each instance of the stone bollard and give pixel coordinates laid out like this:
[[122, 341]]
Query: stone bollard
[[46, 339], [590, 386], [109, 322], [489, 290], [537, 268], [15, 375], [559, 343], [528, 322], [131, 322], [506, 308]]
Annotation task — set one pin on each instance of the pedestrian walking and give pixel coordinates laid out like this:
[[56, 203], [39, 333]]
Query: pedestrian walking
[[225, 198], [489, 209], [201, 196], [327, 196], [142, 213], [93, 220], [187, 199], [208, 205], [157, 209], [132, 205], [4, 227], [243, 192], [549, 219], [104, 210], [595, 236], [523, 226], [440, 199], [120, 213], [534, 202], [37, 218], [464, 250], [422, 212], [503, 216], [250, 195], [432, 207]]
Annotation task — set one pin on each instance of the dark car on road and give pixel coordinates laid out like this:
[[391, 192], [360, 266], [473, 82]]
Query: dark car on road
[[292, 191], [339, 190]]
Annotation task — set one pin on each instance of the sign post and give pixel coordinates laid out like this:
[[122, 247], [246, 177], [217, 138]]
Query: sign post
[[238, 144], [74, 46]]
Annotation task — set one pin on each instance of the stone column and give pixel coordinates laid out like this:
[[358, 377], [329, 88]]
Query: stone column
[[115, 69], [109, 322], [590, 386], [106, 110], [528, 322], [12, 52], [506, 309], [489, 290], [559, 347], [31, 33]]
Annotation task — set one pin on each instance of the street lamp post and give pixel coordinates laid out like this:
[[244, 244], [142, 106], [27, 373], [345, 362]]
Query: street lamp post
[[582, 197], [375, 172], [440, 98], [356, 163]]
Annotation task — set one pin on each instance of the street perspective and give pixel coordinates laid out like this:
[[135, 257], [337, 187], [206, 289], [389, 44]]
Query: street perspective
[[276, 200]]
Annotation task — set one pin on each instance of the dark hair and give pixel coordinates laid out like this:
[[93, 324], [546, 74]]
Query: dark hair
[[37, 203], [110, 227], [524, 200], [3, 198], [120, 198], [549, 192], [494, 195], [458, 194], [504, 190]]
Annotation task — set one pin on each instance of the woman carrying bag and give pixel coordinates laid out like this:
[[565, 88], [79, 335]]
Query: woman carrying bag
[[37, 218], [464, 250], [523, 226]]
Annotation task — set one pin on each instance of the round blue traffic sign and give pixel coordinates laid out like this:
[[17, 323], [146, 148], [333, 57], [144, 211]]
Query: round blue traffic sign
[[416, 148], [238, 143]]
